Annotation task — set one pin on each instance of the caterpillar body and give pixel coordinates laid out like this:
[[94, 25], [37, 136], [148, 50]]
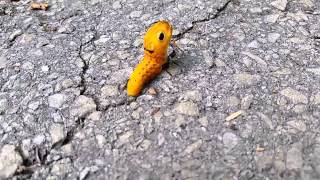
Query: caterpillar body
[[156, 43]]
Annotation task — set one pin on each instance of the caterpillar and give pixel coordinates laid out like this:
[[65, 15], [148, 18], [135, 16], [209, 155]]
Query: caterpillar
[[156, 42]]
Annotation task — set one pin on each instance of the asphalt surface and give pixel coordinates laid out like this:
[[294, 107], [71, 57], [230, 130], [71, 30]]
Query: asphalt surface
[[240, 100]]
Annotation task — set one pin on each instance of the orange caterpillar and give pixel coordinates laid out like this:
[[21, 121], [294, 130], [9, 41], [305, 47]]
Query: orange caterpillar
[[156, 43]]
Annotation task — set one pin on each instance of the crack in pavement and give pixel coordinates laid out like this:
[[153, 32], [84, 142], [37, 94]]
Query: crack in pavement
[[209, 18]]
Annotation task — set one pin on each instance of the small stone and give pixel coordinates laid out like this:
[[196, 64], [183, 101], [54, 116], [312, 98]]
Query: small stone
[[246, 102], [264, 162], [67, 83], [193, 95], [272, 18], [57, 100], [109, 90], [179, 120], [208, 58], [3, 105], [95, 116], [125, 137], [145, 144], [266, 119], [116, 5], [253, 44], [83, 106], [192, 147], [34, 105], [15, 34], [152, 91], [260, 61], [101, 140], [315, 71], [3, 62], [161, 139], [203, 121], [39, 139], [135, 14], [296, 126], [9, 161], [230, 140], [84, 173], [315, 99], [294, 95], [27, 66], [255, 10], [273, 37], [135, 114], [187, 108], [280, 4], [232, 101], [244, 79], [57, 133], [308, 3], [45, 68], [103, 40], [294, 158]]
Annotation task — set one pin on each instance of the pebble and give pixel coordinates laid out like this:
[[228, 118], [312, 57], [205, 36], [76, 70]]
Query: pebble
[[264, 162], [161, 139], [9, 161], [258, 60], [280, 4], [315, 99], [57, 132], [15, 34], [271, 18], [179, 120], [296, 126], [230, 140], [135, 14], [145, 145], [244, 79], [273, 37], [123, 138], [208, 58], [193, 95], [95, 116], [315, 71], [233, 101], [266, 119], [294, 158], [294, 95], [187, 108], [109, 90], [3, 105], [152, 91], [116, 5], [203, 121], [192, 147], [57, 100], [39, 139], [45, 68], [3, 62], [83, 106], [101, 140], [246, 102]]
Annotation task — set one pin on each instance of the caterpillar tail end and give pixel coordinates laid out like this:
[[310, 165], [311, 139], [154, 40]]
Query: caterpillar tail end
[[132, 89]]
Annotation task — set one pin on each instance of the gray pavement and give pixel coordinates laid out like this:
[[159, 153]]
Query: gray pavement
[[240, 102]]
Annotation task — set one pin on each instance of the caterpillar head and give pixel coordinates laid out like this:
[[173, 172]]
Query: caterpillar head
[[157, 38]]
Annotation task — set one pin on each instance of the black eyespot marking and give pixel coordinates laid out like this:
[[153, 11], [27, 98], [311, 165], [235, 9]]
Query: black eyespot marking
[[161, 36]]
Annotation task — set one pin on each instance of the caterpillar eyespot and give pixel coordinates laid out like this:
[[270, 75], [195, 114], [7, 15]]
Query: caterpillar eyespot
[[156, 43], [161, 36]]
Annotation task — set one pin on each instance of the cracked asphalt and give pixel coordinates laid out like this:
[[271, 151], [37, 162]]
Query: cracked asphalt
[[240, 100]]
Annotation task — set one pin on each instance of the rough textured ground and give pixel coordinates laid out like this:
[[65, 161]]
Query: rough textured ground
[[64, 112]]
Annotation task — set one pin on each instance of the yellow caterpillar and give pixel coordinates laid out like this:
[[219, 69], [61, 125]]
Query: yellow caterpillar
[[156, 42]]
